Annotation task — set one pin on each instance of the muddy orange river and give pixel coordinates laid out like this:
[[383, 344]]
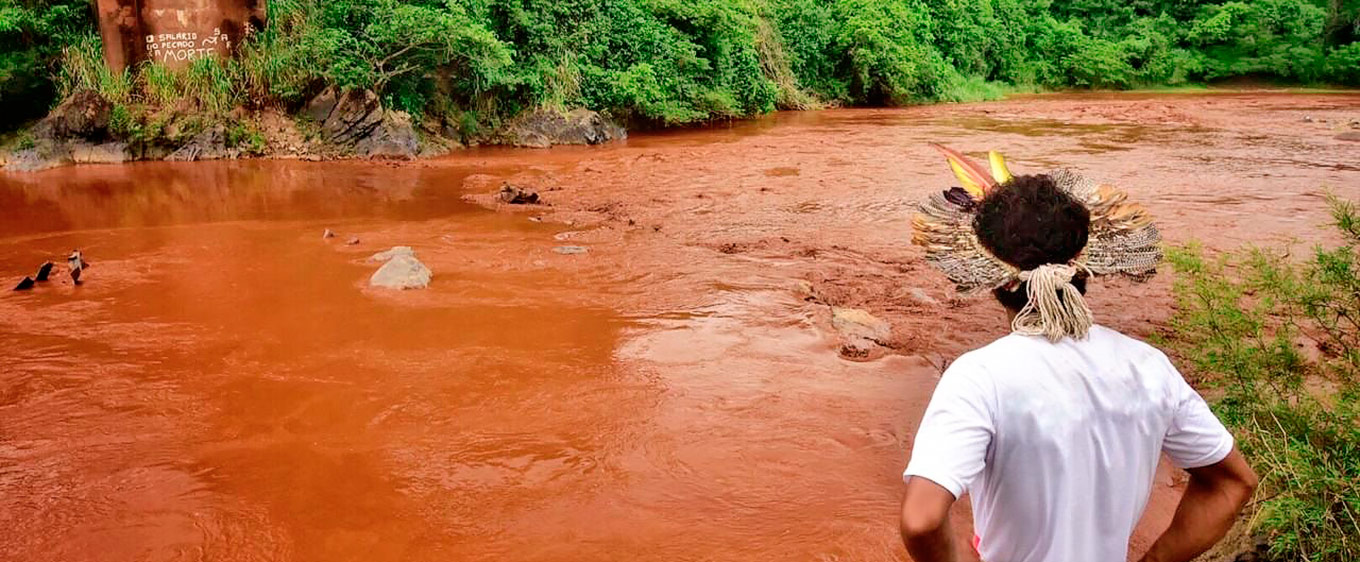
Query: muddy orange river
[[226, 386]]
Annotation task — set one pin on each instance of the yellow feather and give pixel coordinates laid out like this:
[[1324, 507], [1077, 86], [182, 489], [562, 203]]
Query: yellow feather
[[972, 187], [999, 171]]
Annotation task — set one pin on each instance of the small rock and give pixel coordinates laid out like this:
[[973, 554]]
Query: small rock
[[920, 295], [352, 240], [395, 251], [515, 195], [403, 271], [571, 250], [1307, 119], [536, 219], [43, 271], [856, 351], [328, 233], [25, 284], [568, 235], [855, 323]]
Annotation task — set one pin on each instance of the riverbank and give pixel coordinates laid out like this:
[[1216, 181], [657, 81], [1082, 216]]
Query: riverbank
[[463, 71], [225, 382], [86, 129]]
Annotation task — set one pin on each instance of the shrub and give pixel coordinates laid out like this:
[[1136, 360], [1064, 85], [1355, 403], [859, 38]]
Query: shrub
[[1246, 322], [33, 34]]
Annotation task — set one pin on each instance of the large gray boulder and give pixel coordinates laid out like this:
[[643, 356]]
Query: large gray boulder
[[208, 144], [546, 127], [355, 121], [345, 117], [105, 153], [394, 137], [83, 115], [402, 271], [30, 160]]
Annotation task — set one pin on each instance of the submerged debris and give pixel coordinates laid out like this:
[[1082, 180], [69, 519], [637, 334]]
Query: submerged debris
[[352, 240], [571, 250], [328, 233], [76, 262], [516, 195]]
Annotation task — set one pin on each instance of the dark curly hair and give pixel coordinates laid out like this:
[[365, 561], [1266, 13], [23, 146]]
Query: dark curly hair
[[1028, 222]]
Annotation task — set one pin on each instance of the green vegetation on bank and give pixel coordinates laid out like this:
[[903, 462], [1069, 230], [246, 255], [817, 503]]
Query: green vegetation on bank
[[470, 63], [1277, 342]]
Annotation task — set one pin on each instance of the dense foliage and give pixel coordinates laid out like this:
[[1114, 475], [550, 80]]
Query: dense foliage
[[470, 62], [1279, 342], [32, 35]]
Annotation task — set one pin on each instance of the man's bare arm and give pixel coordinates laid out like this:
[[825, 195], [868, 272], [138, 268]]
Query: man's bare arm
[[1212, 500], [925, 522]]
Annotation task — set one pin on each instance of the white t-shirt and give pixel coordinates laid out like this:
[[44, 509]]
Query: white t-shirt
[[1058, 443]]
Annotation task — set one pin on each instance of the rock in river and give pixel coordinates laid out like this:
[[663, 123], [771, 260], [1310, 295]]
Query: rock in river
[[854, 323], [392, 253], [401, 272], [516, 195], [861, 333]]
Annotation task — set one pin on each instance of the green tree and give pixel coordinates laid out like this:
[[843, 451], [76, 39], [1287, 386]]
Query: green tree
[[32, 35]]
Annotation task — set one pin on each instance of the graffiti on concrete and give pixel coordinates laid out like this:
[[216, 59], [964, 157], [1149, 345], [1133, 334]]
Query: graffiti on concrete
[[186, 46], [174, 32]]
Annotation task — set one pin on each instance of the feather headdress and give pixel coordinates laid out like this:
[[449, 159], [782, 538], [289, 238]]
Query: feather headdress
[[1122, 238]]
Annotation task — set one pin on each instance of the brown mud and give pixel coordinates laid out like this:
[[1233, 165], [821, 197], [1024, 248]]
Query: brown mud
[[225, 386]]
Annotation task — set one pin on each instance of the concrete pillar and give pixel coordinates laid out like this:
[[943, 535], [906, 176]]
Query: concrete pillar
[[174, 32], [120, 27]]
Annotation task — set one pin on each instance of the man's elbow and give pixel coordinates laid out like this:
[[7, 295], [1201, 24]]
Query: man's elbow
[[1246, 485], [918, 526], [1238, 487]]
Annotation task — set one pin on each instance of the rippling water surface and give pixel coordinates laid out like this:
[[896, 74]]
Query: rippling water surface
[[226, 387]]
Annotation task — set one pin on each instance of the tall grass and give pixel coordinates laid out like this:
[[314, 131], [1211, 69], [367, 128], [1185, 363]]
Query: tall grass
[[208, 85], [1278, 341], [83, 68]]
